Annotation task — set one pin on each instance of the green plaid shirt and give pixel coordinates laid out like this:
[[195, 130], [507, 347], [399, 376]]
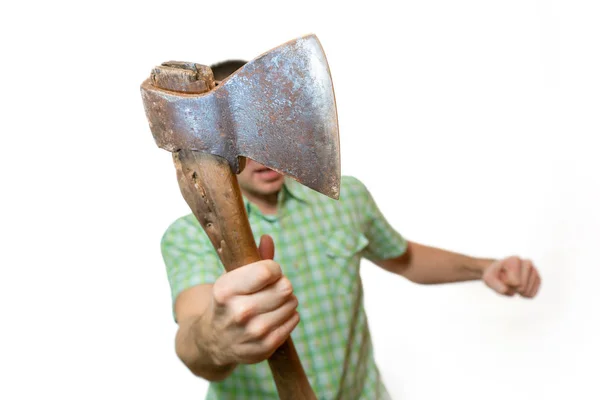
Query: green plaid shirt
[[318, 243]]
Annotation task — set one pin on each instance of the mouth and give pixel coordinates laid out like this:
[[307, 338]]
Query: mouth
[[267, 173]]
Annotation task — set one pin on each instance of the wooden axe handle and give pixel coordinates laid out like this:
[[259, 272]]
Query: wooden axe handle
[[211, 190]]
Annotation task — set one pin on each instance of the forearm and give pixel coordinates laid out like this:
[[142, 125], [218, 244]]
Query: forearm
[[430, 265], [194, 348]]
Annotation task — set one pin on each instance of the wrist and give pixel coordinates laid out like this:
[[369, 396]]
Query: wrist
[[482, 265], [477, 266], [210, 343]]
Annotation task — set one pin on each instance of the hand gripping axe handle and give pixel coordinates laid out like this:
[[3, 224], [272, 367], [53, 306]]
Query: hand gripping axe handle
[[279, 109]]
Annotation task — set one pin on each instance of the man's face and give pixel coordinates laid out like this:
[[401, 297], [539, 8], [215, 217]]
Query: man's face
[[259, 180]]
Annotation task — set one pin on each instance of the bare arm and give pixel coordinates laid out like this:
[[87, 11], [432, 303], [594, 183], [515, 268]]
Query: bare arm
[[429, 265]]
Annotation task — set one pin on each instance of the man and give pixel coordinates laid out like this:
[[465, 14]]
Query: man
[[229, 323]]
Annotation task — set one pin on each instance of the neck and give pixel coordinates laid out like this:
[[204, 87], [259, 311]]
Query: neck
[[267, 204]]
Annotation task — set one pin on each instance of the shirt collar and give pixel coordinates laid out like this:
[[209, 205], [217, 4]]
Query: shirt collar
[[290, 188], [295, 189]]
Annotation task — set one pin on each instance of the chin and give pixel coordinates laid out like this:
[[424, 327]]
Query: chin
[[271, 187]]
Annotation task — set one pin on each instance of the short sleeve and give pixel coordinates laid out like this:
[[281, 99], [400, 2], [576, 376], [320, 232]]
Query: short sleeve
[[189, 256], [384, 241]]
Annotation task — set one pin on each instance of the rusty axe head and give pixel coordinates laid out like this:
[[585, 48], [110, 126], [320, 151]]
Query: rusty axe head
[[279, 109]]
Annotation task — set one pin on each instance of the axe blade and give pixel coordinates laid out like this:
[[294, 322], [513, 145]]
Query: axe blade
[[279, 109]]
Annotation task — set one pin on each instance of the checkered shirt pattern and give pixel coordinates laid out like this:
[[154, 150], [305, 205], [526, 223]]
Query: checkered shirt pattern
[[319, 243]]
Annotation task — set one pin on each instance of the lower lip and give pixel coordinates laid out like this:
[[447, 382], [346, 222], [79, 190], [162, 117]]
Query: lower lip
[[268, 174]]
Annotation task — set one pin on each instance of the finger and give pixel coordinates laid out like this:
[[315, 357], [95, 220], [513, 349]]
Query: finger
[[512, 266], [531, 283], [526, 275], [248, 279], [273, 296], [262, 325], [536, 287], [531, 289], [266, 248], [267, 300], [498, 286], [259, 350], [279, 335]]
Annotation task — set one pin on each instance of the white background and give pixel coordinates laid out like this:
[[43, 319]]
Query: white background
[[473, 123]]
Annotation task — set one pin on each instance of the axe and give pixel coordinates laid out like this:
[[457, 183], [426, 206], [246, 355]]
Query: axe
[[278, 109]]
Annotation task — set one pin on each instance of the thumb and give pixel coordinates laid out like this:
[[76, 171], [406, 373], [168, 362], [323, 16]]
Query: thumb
[[266, 248], [493, 278]]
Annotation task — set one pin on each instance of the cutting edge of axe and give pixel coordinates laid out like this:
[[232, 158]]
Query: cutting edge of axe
[[279, 110]]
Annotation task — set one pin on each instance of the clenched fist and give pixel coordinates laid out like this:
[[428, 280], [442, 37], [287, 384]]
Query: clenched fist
[[513, 275], [252, 310]]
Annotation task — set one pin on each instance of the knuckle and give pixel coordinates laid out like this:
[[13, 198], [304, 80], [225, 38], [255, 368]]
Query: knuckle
[[504, 291], [285, 286], [277, 271], [272, 341], [290, 306], [294, 302], [262, 275], [258, 330], [243, 313], [221, 294], [274, 268], [266, 271], [514, 259]]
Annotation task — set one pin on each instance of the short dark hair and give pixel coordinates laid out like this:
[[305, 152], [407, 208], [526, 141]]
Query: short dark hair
[[223, 69]]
